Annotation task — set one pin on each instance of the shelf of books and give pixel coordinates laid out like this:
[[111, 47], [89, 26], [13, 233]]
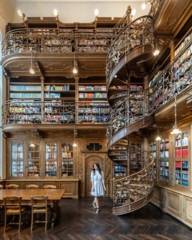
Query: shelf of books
[[67, 167], [119, 156], [29, 103], [33, 166], [51, 159], [59, 106], [24, 103], [93, 106], [173, 78], [17, 160], [182, 162], [136, 157], [164, 159]]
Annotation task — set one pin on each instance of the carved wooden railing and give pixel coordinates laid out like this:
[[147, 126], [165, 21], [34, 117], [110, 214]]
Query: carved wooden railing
[[128, 36], [56, 41], [55, 112], [133, 192]]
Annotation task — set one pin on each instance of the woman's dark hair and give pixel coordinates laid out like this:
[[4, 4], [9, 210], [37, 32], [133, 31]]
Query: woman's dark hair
[[98, 168]]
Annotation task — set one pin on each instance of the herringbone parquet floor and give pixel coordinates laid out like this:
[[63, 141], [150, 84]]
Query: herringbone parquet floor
[[79, 222]]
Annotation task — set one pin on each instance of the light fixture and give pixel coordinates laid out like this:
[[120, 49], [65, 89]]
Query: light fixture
[[75, 66], [74, 144], [74, 137], [156, 52], [75, 70], [96, 12], [133, 12], [55, 12], [19, 13], [158, 138], [143, 5], [31, 69], [175, 130], [32, 145]]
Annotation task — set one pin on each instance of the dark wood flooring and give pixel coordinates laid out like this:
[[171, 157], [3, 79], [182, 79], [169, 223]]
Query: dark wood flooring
[[78, 221]]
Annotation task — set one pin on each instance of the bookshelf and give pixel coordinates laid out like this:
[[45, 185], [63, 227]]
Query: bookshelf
[[173, 78], [119, 156], [164, 159], [32, 102], [67, 168], [24, 102], [182, 159], [153, 150], [136, 157], [33, 166], [17, 159], [93, 106], [51, 158]]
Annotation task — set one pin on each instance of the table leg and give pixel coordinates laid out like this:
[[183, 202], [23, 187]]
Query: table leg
[[54, 213]]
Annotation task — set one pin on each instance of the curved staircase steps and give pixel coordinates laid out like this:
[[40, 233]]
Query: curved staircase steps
[[131, 192]]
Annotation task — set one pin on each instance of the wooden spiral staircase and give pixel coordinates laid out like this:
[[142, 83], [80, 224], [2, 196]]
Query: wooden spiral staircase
[[129, 59]]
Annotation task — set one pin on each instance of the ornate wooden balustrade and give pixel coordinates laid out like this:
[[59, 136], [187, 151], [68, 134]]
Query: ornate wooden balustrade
[[129, 35], [54, 112], [133, 192], [56, 41]]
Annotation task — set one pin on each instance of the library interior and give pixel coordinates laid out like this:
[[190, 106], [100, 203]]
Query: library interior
[[96, 119]]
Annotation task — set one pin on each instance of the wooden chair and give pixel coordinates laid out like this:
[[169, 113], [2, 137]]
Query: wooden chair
[[39, 206], [49, 186], [1, 186], [12, 207], [32, 186], [12, 186]]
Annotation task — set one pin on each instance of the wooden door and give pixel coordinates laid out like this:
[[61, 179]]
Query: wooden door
[[90, 160]]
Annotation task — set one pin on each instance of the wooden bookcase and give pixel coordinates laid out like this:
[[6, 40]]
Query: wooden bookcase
[[173, 78], [92, 97]]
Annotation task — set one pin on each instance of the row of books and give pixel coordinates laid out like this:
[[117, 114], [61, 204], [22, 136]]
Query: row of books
[[92, 42], [173, 79], [182, 153], [25, 95], [93, 88], [182, 164], [64, 88], [96, 95], [93, 110], [25, 88], [93, 118]]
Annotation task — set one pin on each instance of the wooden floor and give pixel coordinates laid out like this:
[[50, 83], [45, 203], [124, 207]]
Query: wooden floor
[[79, 222]]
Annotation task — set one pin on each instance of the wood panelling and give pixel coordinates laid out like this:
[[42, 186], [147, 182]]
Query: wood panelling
[[173, 203], [176, 202], [76, 185]]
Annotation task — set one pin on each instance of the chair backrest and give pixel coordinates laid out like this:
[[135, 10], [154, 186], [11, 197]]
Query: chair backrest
[[12, 202], [49, 186], [39, 202], [12, 186], [32, 186]]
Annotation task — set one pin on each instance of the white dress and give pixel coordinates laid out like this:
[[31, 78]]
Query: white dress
[[98, 187]]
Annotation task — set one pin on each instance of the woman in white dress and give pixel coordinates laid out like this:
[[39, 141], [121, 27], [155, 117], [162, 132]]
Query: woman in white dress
[[98, 186]]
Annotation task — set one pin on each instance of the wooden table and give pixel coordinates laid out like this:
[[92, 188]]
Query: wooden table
[[27, 194], [53, 195]]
